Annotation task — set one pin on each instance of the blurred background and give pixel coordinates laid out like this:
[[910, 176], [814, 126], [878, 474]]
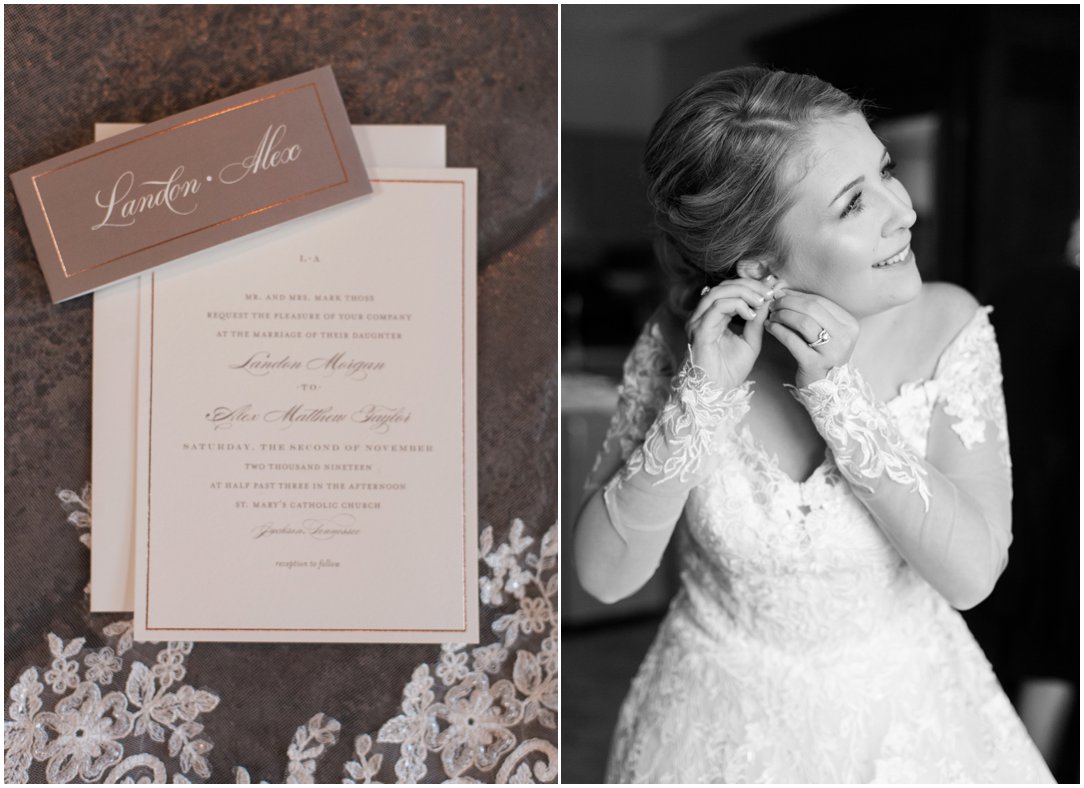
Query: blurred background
[[979, 106]]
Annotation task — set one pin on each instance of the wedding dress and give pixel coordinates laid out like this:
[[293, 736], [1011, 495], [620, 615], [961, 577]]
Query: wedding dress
[[802, 647]]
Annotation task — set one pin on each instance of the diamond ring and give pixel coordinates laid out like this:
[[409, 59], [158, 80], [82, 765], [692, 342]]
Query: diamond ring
[[823, 338]]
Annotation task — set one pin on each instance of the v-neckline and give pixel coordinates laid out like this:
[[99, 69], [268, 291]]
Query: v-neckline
[[770, 460]]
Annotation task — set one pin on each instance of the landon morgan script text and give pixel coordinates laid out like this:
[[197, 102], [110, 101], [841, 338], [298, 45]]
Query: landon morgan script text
[[261, 363]]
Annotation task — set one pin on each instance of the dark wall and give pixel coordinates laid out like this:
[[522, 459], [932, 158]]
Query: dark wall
[[1005, 82]]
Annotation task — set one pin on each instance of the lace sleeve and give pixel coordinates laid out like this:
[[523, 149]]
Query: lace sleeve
[[683, 437], [644, 389], [661, 444], [866, 444], [676, 454], [948, 513]]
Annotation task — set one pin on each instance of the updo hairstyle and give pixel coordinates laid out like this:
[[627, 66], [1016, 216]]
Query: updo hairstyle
[[713, 163]]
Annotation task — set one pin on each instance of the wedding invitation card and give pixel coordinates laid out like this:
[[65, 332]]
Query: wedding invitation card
[[306, 453], [116, 361]]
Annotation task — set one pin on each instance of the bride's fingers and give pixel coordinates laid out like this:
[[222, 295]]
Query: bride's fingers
[[754, 329], [718, 316], [824, 312], [753, 292], [749, 295], [799, 322], [790, 339]]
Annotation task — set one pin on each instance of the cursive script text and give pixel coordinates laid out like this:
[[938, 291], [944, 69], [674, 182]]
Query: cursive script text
[[267, 156], [121, 208], [314, 528], [262, 363], [379, 418]]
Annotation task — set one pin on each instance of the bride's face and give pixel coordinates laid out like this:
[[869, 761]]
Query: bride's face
[[848, 232]]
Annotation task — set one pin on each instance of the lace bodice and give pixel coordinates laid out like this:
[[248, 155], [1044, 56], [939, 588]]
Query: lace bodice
[[748, 518], [797, 600], [795, 563]]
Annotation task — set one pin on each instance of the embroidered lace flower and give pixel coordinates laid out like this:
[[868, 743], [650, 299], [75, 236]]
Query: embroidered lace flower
[[490, 718], [474, 725], [21, 732], [972, 392], [489, 659], [479, 718], [87, 728], [364, 767], [101, 665], [683, 435], [534, 678], [866, 444], [453, 663], [87, 731], [64, 673], [80, 519]]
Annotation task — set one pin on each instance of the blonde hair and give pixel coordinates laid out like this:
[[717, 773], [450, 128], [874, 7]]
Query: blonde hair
[[713, 162]]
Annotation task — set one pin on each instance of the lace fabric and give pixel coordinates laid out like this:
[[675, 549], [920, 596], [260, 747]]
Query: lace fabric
[[804, 646], [645, 385], [683, 435], [975, 400], [865, 443], [124, 712], [678, 450]]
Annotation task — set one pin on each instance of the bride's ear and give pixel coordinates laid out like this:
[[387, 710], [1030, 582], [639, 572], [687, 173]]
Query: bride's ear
[[754, 268]]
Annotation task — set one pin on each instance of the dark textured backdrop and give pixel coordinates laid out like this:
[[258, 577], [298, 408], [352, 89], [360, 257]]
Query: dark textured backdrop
[[490, 74]]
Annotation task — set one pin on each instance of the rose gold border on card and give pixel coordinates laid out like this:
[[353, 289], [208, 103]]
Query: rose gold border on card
[[463, 438], [49, 225]]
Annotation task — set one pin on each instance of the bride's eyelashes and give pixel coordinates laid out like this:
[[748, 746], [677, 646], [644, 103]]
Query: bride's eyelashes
[[856, 204]]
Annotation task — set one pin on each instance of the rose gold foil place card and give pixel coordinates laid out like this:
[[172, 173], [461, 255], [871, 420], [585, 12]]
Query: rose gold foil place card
[[189, 182], [306, 445]]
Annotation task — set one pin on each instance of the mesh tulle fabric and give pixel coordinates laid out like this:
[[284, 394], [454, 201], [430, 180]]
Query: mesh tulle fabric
[[802, 647]]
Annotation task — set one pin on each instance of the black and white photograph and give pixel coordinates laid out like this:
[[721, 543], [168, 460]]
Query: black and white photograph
[[820, 345]]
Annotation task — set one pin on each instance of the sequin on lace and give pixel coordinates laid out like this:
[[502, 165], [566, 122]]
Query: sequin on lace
[[865, 442]]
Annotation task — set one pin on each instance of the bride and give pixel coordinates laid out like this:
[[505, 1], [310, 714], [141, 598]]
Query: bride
[[833, 430]]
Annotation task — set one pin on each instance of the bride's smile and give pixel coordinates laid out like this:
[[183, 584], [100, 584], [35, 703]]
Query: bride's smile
[[849, 225]]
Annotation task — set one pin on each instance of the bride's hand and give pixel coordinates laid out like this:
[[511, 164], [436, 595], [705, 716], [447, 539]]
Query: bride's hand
[[724, 354], [819, 333]]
